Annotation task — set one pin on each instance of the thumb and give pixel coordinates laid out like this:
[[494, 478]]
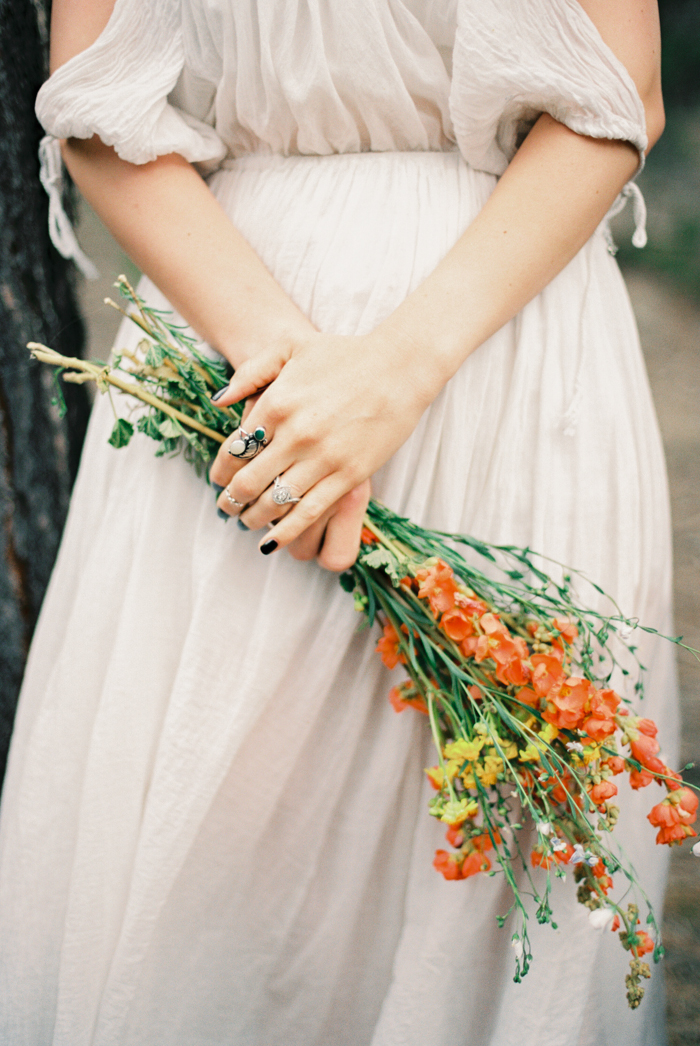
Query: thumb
[[252, 376]]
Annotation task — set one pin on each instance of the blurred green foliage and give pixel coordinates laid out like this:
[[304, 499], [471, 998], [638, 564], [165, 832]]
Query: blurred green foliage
[[680, 51], [671, 179]]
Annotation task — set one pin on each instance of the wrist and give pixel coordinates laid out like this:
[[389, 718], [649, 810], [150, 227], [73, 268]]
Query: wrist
[[281, 334]]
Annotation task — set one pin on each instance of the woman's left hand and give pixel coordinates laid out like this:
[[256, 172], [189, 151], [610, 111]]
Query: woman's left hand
[[334, 409]]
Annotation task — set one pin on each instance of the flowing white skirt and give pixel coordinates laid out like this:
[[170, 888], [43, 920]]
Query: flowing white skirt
[[214, 827]]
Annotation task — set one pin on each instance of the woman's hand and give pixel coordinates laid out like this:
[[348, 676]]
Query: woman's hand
[[334, 409]]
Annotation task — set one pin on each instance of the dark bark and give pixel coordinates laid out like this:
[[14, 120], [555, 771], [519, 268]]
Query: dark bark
[[39, 452]]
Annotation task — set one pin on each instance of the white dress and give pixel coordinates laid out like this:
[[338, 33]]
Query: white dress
[[214, 827]]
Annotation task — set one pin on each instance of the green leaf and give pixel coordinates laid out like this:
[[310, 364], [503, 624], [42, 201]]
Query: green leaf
[[155, 355], [383, 559], [150, 426], [121, 433], [347, 581], [171, 429]]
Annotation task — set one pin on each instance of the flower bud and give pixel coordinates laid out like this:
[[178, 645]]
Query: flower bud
[[600, 918]]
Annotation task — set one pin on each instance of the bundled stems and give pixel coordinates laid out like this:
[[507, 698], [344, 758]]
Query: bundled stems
[[512, 669]]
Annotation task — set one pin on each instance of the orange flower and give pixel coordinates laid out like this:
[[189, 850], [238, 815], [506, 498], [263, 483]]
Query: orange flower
[[674, 816], [600, 722], [367, 537], [437, 585], [388, 647], [483, 842], [648, 727], [640, 779], [600, 792], [541, 860], [615, 926], [473, 863], [546, 673], [566, 703], [568, 629], [643, 944], [528, 697], [457, 624], [613, 763], [563, 788], [454, 836], [644, 749], [468, 646], [446, 863], [407, 698]]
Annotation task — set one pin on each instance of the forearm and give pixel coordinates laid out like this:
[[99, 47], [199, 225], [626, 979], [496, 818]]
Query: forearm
[[167, 220], [545, 207]]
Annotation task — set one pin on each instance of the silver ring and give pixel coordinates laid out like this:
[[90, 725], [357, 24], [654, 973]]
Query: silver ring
[[282, 494], [231, 499], [248, 444]]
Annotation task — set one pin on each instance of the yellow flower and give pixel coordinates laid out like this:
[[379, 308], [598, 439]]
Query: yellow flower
[[548, 733], [529, 755], [436, 776], [456, 812], [465, 750], [460, 752], [591, 753], [509, 748], [468, 779], [489, 771]]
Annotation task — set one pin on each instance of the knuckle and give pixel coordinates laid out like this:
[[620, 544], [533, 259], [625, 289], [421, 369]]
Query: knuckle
[[335, 560], [243, 488]]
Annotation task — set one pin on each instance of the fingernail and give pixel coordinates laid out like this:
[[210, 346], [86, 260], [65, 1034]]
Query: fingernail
[[222, 515], [240, 524], [268, 547], [219, 394], [216, 486]]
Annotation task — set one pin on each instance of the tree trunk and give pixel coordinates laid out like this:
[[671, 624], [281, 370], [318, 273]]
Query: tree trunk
[[39, 451]]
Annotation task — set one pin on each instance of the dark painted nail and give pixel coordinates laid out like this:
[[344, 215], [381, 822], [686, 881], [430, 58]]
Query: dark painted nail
[[222, 515], [268, 547], [241, 525], [216, 486], [219, 394]]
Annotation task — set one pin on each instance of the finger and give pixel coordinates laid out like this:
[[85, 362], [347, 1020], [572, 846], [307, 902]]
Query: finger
[[341, 542], [257, 372], [274, 502], [258, 474], [311, 508], [226, 463], [308, 544]]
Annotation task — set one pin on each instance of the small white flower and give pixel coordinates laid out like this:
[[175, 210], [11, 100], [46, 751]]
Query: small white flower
[[544, 828], [591, 859], [517, 946], [624, 632], [574, 746], [558, 844], [600, 918], [696, 850], [578, 856]]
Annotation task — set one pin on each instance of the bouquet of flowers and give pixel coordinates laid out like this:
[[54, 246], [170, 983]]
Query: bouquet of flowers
[[512, 671]]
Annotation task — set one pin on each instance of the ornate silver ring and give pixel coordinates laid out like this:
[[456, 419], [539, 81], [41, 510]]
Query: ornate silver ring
[[248, 444], [282, 494]]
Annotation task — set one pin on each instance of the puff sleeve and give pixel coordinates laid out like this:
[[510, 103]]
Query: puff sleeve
[[515, 59], [118, 89]]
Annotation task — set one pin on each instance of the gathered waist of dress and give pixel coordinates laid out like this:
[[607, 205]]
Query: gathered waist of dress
[[269, 160]]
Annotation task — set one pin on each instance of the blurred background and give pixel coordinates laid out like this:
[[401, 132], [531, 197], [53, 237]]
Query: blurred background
[[664, 284]]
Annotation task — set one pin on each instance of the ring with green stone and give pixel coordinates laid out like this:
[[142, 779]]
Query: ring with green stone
[[248, 444]]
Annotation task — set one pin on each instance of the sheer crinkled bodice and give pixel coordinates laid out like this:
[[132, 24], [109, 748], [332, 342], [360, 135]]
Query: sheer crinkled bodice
[[214, 78]]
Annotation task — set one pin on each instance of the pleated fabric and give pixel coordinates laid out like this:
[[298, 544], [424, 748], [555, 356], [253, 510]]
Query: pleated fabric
[[214, 826]]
